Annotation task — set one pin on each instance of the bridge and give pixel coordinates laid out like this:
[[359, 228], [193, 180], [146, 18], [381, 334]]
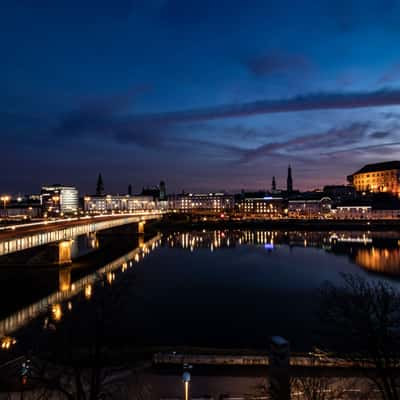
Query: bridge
[[62, 232]]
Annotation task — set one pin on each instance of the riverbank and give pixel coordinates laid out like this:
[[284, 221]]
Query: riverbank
[[187, 223]]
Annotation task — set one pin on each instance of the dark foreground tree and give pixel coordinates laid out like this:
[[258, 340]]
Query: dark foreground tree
[[361, 321]]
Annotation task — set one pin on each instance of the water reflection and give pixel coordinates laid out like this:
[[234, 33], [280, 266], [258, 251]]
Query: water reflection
[[68, 292], [271, 266], [379, 260], [373, 251]]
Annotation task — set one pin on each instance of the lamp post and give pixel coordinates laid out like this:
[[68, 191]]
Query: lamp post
[[186, 381]]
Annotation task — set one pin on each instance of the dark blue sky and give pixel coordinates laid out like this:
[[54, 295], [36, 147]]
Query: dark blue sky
[[206, 95]]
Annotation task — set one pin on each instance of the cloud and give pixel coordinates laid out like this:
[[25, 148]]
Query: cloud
[[278, 63], [379, 135], [111, 118], [107, 118], [336, 137], [310, 102], [378, 148]]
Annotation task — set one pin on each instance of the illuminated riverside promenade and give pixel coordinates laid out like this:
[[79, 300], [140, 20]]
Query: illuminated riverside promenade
[[18, 238], [85, 285]]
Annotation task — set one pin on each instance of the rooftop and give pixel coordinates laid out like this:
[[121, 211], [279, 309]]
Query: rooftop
[[383, 166]]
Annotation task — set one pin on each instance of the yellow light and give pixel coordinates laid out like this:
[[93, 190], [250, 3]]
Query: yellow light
[[57, 312], [110, 277], [7, 342], [88, 291]]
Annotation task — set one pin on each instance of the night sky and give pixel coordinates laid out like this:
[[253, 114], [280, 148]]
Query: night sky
[[206, 95]]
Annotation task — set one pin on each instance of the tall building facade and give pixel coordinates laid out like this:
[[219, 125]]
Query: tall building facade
[[380, 177], [59, 200]]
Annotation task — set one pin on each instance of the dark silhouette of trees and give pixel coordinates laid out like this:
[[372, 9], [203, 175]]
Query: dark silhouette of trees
[[362, 325]]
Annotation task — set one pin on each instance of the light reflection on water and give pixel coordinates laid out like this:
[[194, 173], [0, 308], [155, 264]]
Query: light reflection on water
[[374, 251], [69, 291], [227, 285]]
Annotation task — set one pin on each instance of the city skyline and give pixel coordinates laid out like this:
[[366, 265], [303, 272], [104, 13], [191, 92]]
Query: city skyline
[[204, 96]]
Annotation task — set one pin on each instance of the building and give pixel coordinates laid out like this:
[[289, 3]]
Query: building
[[267, 206], [376, 178], [59, 200], [310, 208], [163, 191], [118, 203], [340, 193], [215, 202], [20, 207], [355, 211]]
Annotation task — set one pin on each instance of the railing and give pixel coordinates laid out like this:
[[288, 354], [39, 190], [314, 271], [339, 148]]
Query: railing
[[296, 360], [29, 240]]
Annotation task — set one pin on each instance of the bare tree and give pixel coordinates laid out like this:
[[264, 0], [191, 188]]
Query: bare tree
[[362, 325]]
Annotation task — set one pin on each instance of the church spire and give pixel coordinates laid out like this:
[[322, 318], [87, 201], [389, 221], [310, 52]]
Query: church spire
[[289, 182]]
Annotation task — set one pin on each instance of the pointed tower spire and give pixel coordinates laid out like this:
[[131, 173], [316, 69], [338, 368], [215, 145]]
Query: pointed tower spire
[[100, 186], [273, 184], [289, 182]]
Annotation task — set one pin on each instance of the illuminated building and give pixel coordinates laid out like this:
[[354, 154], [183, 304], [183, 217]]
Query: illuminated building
[[21, 207], [118, 203], [380, 177], [201, 202], [269, 207], [310, 208], [353, 212], [59, 200]]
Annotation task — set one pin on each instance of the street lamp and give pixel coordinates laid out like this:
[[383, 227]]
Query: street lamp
[[186, 381]]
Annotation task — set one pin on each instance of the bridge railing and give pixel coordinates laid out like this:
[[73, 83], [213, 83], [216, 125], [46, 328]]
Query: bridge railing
[[27, 241]]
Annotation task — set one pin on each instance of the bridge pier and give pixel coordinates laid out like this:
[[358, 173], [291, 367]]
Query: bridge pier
[[64, 252]]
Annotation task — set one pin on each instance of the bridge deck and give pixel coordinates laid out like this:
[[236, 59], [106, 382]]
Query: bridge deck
[[25, 237]]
